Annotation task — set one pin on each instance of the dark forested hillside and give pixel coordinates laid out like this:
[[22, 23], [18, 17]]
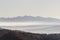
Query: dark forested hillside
[[19, 35]]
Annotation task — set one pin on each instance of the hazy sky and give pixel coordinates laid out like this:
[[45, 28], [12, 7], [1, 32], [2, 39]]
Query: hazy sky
[[46, 8]]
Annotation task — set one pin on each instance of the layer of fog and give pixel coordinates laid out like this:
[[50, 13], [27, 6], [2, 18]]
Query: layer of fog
[[26, 23], [35, 27]]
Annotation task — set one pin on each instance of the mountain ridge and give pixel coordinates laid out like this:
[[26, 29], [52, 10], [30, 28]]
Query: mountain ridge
[[29, 18]]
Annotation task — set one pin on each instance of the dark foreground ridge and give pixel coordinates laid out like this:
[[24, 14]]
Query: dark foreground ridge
[[19, 35]]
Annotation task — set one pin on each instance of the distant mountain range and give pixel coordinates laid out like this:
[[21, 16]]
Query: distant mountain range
[[29, 18]]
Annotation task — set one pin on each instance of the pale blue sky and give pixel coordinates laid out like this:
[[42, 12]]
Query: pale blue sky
[[45, 8]]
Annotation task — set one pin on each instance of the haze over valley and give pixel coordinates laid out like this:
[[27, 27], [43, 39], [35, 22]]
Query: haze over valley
[[40, 15]]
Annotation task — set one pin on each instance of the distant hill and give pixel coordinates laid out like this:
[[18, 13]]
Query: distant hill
[[29, 18]]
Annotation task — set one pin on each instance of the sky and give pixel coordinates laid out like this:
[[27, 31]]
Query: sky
[[44, 8]]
